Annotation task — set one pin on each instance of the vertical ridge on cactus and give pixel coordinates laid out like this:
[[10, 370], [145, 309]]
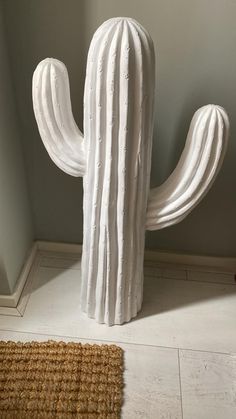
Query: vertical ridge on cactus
[[52, 107], [198, 166], [114, 158], [119, 142]]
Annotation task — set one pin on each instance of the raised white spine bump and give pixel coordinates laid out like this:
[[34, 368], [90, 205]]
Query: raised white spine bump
[[196, 171], [52, 107]]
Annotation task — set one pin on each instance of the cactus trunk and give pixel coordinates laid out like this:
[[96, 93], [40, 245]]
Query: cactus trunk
[[118, 128]]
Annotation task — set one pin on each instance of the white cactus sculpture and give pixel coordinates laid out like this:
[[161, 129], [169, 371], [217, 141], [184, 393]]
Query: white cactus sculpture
[[114, 158]]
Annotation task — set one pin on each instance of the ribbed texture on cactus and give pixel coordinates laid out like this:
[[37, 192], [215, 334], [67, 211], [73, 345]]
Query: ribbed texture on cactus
[[52, 107], [114, 159], [196, 171], [118, 110]]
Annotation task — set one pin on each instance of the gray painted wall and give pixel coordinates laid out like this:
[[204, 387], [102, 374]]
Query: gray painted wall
[[15, 218], [196, 64]]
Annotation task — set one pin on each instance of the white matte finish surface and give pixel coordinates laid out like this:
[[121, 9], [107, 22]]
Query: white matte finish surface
[[52, 107], [196, 171], [118, 130], [115, 159]]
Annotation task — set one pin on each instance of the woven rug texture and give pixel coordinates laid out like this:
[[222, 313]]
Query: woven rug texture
[[44, 380]]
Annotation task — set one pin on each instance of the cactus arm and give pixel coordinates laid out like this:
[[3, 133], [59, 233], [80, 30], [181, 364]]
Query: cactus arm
[[196, 171], [52, 107]]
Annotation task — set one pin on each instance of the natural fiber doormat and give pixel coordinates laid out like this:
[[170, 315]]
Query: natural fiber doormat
[[60, 380]]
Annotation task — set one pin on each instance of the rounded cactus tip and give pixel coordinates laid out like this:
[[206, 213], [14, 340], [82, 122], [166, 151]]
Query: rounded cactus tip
[[212, 107], [52, 62], [119, 20]]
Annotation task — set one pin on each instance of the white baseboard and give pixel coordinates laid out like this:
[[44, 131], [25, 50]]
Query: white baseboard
[[8, 303], [11, 301], [47, 246]]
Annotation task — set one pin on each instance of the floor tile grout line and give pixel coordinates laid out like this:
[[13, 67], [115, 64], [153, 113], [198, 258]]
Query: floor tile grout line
[[118, 342], [165, 277], [153, 276], [190, 280], [162, 275], [180, 386], [212, 282], [77, 256]]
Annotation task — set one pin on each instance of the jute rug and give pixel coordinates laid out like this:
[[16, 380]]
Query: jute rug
[[60, 380]]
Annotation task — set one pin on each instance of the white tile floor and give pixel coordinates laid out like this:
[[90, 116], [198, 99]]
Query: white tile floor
[[180, 352]]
